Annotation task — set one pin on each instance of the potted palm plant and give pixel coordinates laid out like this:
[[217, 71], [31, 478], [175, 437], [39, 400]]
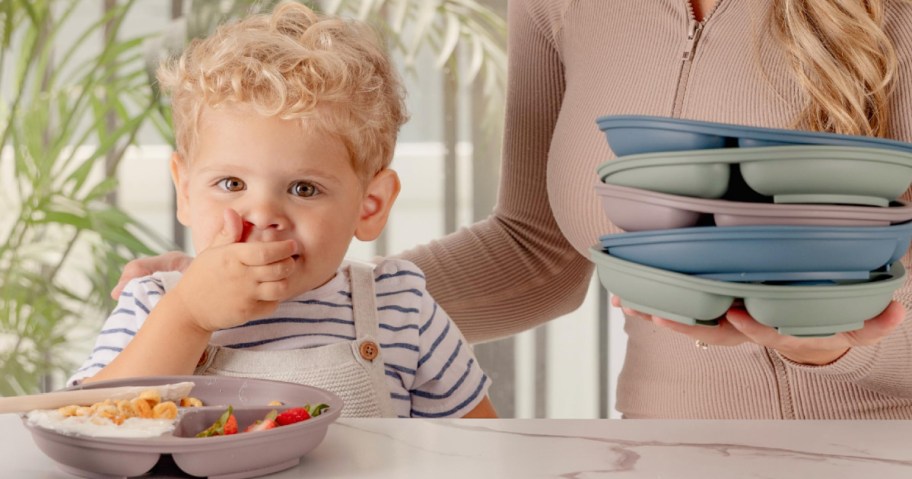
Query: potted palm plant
[[65, 125]]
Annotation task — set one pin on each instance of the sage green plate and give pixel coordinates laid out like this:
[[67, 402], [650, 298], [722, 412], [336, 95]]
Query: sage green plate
[[788, 174], [796, 309]]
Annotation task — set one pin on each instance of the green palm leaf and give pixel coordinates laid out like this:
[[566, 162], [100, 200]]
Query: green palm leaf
[[56, 133]]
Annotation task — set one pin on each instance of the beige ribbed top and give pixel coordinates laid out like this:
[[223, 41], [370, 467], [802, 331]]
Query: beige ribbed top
[[572, 61]]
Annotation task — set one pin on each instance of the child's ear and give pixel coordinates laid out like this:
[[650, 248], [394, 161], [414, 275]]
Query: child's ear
[[379, 196], [179, 177]]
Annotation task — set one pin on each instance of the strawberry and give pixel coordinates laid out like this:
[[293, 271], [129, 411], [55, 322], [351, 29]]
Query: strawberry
[[292, 416], [261, 426], [264, 424], [226, 424], [231, 426]]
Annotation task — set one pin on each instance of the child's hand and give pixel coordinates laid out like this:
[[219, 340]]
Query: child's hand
[[231, 283]]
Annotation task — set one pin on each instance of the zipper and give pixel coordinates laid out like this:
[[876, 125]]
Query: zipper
[[694, 30], [783, 387]]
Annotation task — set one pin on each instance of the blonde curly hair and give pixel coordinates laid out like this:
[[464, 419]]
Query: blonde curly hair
[[296, 65]]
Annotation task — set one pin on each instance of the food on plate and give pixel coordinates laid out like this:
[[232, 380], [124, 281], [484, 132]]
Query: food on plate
[[146, 415], [268, 422], [226, 424], [148, 405], [190, 402]]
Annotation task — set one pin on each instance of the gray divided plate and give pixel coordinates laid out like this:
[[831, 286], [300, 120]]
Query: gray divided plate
[[633, 134], [788, 174], [796, 310], [634, 209], [236, 456]]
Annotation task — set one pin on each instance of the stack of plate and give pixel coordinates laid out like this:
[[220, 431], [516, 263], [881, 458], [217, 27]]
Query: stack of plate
[[804, 227]]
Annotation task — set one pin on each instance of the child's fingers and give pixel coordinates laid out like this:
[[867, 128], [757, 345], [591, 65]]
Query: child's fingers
[[272, 290], [232, 229], [258, 254], [273, 271]]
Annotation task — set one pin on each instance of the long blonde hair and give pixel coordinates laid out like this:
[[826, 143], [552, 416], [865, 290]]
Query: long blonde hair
[[844, 61]]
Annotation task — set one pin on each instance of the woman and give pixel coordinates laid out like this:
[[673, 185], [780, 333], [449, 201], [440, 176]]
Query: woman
[[838, 65]]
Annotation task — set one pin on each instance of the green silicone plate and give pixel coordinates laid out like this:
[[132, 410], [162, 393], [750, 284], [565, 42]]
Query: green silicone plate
[[788, 174], [796, 310]]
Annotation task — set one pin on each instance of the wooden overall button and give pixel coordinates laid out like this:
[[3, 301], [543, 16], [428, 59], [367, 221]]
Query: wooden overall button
[[369, 350]]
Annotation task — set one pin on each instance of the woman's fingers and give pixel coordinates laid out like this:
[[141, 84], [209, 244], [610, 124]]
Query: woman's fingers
[[134, 269], [823, 350], [879, 326], [816, 351], [738, 327], [722, 334], [170, 261], [616, 302]]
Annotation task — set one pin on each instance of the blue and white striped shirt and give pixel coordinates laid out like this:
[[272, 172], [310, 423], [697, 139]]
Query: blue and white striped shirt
[[430, 368]]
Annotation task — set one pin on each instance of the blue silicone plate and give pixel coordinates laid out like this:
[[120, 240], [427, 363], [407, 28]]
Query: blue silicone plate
[[765, 253], [633, 134]]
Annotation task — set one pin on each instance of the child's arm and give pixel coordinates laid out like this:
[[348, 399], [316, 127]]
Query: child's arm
[[228, 284], [484, 409], [139, 296], [448, 381], [168, 343]]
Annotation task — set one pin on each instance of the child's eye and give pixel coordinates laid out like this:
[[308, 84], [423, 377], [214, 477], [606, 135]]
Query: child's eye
[[303, 189], [231, 184]]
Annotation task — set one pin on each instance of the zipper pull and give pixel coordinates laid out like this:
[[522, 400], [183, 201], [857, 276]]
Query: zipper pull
[[693, 36]]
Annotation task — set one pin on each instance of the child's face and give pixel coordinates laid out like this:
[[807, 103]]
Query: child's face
[[285, 183]]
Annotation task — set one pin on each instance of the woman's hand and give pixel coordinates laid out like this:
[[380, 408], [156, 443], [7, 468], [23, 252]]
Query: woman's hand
[[739, 327], [137, 268]]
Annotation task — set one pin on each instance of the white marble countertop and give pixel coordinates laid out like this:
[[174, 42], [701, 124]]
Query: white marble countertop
[[542, 448]]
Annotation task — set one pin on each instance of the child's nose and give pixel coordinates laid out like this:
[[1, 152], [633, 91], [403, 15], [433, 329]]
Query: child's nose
[[266, 216]]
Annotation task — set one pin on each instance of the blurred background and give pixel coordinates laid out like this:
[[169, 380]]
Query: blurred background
[[85, 141]]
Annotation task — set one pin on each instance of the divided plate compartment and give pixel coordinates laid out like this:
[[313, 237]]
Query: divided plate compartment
[[786, 174], [236, 456], [634, 134], [634, 209], [765, 253], [796, 310]]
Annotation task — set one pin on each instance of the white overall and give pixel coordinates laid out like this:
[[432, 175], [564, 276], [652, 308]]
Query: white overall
[[353, 370]]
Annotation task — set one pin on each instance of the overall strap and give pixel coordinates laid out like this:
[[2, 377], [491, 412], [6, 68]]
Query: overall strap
[[364, 304], [366, 347]]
